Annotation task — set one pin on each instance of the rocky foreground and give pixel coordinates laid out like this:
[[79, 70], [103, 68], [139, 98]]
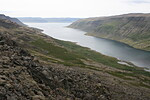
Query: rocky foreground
[[23, 78]]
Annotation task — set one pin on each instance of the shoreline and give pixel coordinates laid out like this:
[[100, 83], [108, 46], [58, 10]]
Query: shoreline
[[88, 34]]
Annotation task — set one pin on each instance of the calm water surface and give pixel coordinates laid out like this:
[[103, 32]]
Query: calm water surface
[[107, 47]]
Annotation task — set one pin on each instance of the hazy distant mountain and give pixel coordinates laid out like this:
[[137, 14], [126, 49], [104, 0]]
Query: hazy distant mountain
[[32, 19], [2, 16], [46, 20], [62, 19], [133, 29]]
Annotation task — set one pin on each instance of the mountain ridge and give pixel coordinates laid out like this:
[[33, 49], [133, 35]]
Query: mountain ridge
[[15, 20], [132, 29]]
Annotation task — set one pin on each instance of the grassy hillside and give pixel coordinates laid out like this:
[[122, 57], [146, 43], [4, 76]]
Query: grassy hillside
[[133, 29], [65, 70]]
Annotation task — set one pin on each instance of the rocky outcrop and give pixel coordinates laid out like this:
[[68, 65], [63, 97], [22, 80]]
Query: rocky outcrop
[[8, 24], [133, 29], [15, 20]]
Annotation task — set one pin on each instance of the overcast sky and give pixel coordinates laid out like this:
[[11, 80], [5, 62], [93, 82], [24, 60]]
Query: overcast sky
[[72, 8]]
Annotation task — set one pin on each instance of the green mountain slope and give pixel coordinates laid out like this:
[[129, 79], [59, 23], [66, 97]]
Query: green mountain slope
[[133, 29], [35, 66]]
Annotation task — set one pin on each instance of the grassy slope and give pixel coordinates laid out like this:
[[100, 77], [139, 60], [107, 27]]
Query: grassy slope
[[70, 54], [133, 30]]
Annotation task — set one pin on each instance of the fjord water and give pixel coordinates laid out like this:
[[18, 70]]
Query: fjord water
[[107, 47]]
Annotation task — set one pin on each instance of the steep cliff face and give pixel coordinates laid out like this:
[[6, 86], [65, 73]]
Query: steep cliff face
[[133, 29], [15, 20]]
